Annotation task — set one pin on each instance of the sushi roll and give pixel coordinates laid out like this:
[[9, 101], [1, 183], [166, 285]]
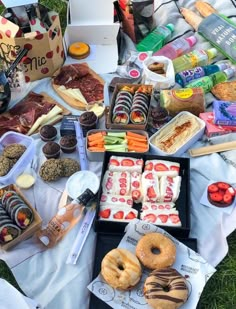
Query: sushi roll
[[120, 117], [22, 215], [8, 230], [7, 195], [138, 116]]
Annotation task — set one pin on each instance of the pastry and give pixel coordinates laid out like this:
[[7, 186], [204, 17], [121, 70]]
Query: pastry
[[70, 166], [191, 18], [79, 50], [225, 91], [68, 143], [14, 151], [151, 241], [51, 170], [121, 269], [48, 133], [5, 165], [51, 150], [165, 289]]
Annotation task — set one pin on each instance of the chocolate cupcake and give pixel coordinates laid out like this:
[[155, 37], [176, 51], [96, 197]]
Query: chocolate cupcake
[[48, 133], [68, 143], [51, 150], [88, 121]]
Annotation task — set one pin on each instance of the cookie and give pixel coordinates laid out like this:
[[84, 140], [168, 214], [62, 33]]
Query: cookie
[[70, 166], [156, 66], [14, 151], [51, 170], [225, 91], [5, 165], [79, 50]]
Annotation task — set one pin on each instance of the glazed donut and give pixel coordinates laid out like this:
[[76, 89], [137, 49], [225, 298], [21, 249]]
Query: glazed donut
[[150, 242], [165, 289], [121, 269]]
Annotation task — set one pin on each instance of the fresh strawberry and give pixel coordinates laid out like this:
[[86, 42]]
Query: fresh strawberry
[[230, 190], [160, 167], [169, 191], [151, 193], [121, 199], [127, 162], [149, 176], [150, 218], [118, 215], [105, 213], [174, 218], [216, 197], [103, 198], [123, 185], [135, 184], [123, 180], [114, 199], [130, 202], [123, 175], [154, 206], [122, 192], [131, 215], [212, 188], [136, 194], [139, 162], [161, 207], [223, 185], [170, 179], [149, 166], [114, 162], [174, 168], [163, 218], [227, 198]]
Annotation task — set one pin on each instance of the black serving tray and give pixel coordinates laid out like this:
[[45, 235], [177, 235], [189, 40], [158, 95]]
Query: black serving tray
[[105, 243], [182, 204]]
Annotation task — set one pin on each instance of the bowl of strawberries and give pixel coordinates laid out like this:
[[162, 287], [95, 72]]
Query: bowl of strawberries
[[221, 194]]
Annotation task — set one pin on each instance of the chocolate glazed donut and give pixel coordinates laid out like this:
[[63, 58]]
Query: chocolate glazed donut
[[165, 289]]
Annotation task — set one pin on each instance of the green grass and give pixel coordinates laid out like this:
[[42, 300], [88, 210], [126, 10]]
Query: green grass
[[220, 291]]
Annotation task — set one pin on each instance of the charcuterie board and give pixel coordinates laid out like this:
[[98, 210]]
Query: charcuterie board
[[78, 85]]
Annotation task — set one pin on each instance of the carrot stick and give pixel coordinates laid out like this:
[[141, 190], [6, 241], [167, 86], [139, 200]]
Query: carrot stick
[[134, 143], [131, 138], [129, 133], [137, 149], [96, 141], [94, 136]]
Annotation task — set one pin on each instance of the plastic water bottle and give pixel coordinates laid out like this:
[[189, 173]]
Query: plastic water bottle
[[187, 76], [193, 59], [156, 39], [207, 82], [177, 48]]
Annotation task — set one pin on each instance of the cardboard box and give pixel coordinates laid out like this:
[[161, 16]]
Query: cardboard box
[[46, 52], [92, 23], [33, 227], [129, 126], [182, 204]]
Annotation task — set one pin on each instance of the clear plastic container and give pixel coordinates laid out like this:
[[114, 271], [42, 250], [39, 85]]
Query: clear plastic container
[[21, 164]]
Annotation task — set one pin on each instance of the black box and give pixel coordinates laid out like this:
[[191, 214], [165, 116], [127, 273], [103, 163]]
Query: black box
[[67, 125], [182, 203], [105, 243]]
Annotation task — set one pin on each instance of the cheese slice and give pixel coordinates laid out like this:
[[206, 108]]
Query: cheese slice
[[54, 119], [73, 93], [45, 118]]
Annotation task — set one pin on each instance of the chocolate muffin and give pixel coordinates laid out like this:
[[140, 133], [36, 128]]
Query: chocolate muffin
[[51, 150], [88, 121], [48, 133], [68, 143]]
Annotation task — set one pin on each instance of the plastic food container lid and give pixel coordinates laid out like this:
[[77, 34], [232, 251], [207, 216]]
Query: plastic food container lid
[[80, 181]]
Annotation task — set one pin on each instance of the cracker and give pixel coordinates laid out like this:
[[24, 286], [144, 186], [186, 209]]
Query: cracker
[[225, 91]]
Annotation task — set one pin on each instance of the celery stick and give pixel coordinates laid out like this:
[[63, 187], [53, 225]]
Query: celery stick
[[113, 140], [114, 147], [117, 134]]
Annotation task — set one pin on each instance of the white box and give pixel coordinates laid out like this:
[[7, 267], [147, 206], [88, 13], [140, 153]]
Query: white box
[[96, 28]]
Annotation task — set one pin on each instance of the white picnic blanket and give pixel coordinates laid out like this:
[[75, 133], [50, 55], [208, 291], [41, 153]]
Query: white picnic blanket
[[43, 274]]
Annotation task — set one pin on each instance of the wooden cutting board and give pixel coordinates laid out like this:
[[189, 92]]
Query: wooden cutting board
[[77, 104]]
